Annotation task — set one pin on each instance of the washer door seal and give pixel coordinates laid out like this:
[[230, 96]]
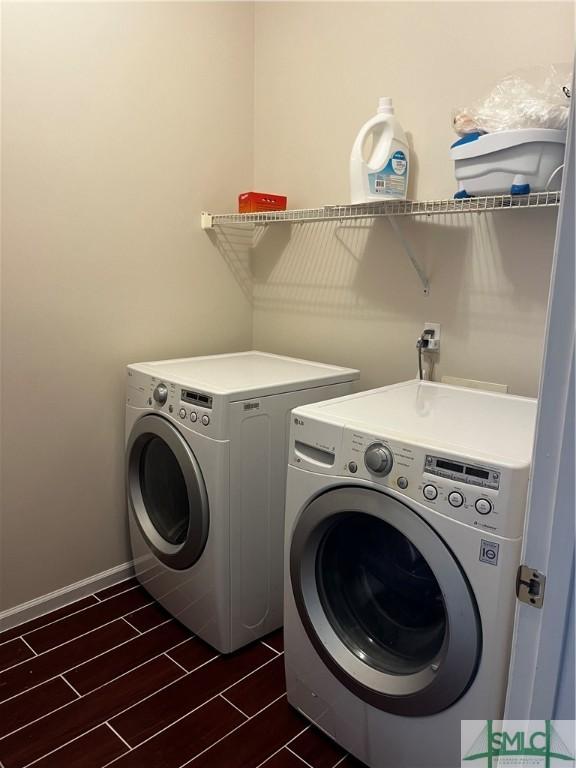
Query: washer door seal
[[166, 492], [384, 601]]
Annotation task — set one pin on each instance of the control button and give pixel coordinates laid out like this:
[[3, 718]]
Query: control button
[[182, 413], [149, 401], [171, 408], [352, 466], [455, 499], [378, 459], [193, 416], [160, 394], [205, 419], [402, 482], [430, 492], [483, 507]]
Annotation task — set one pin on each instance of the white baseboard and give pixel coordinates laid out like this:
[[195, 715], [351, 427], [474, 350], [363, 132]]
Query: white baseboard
[[61, 597]]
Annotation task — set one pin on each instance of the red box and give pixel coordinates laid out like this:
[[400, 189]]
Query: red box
[[252, 202]]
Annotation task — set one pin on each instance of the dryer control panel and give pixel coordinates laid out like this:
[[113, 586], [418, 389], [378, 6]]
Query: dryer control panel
[[193, 410]]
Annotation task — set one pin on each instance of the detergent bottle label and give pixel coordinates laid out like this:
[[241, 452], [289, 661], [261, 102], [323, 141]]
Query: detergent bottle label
[[391, 179]]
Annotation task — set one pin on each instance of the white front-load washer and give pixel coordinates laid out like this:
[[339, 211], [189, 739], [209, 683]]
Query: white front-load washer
[[206, 456], [404, 519]]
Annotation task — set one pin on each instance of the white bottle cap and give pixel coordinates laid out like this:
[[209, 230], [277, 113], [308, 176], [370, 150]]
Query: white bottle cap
[[385, 105]]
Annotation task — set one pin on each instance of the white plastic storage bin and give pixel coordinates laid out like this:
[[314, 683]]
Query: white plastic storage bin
[[509, 162]]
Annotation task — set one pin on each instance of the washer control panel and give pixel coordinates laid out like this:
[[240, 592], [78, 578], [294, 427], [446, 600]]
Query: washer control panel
[[471, 474], [471, 492], [489, 495]]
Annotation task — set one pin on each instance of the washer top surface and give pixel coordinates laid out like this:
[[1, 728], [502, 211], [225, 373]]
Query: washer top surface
[[247, 373], [439, 415]]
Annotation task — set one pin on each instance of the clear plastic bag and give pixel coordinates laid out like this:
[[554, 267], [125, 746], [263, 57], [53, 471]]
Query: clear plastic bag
[[537, 97]]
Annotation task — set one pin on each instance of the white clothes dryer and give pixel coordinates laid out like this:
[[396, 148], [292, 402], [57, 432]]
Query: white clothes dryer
[[206, 456], [404, 519]]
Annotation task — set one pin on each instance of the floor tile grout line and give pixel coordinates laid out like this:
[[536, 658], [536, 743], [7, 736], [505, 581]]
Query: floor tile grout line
[[340, 761], [117, 714], [115, 732], [85, 634], [106, 722], [71, 640], [103, 722], [48, 623], [11, 733], [305, 762], [306, 728], [186, 714], [98, 687], [234, 705], [128, 589], [29, 646], [92, 658], [207, 701], [189, 671], [252, 717], [248, 675], [77, 637], [270, 647], [69, 684], [140, 632], [60, 746], [284, 746], [177, 663], [73, 613], [269, 757], [189, 762], [337, 763]]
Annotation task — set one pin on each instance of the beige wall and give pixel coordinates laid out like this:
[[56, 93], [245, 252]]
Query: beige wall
[[347, 294], [120, 123]]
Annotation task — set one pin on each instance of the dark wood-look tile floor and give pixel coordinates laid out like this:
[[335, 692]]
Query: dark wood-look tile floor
[[113, 680]]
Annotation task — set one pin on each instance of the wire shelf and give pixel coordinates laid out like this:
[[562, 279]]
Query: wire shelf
[[391, 208]]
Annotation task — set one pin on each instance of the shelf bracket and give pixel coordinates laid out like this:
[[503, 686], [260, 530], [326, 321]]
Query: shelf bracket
[[206, 220], [410, 253]]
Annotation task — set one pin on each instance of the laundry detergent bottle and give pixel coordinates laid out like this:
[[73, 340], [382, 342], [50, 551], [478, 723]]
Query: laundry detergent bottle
[[380, 172]]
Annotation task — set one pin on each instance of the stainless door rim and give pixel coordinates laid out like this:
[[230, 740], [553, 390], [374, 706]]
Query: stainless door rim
[[441, 683], [178, 556]]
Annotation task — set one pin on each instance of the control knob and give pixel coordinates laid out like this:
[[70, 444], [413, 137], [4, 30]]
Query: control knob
[[378, 459], [160, 394]]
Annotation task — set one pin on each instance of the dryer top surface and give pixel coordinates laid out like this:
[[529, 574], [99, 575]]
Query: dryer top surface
[[249, 374], [468, 420]]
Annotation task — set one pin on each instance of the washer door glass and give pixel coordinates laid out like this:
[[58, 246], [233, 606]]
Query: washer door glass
[[166, 492], [380, 595], [384, 601]]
